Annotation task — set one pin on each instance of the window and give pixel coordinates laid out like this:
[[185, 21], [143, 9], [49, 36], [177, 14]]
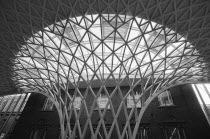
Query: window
[[101, 134], [103, 100], [38, 134], [143, 132], [39, 129], [131, 102], [173, 132], [77, 102], [48, 105], [165, 99]]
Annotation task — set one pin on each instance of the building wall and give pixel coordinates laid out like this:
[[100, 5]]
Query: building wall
[[197, 124], [186, 112], [33, 118]]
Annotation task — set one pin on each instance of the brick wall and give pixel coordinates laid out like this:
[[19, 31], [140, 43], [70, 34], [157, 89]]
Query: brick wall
[[186, 112]]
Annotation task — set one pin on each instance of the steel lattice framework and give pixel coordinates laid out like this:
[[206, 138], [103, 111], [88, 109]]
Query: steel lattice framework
[[103, 48], [93, 50], [82, 45]]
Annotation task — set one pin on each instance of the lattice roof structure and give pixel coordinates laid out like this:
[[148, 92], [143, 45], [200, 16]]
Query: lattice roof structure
[[54, 46], [108, 47], [21, 19]]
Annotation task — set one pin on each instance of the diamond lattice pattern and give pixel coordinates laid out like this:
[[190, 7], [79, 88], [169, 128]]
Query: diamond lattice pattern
[[88, 55]]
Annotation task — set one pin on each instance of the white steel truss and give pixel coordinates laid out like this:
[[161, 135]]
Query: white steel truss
[[100, 51], [73, 51]]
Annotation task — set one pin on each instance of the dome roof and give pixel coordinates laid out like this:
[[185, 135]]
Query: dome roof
[[103, 48], [22, 20]]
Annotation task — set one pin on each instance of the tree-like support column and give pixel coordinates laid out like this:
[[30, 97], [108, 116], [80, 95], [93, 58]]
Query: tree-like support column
[[97, 113], [89, 118]]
